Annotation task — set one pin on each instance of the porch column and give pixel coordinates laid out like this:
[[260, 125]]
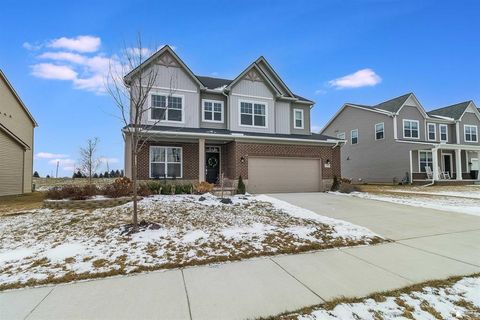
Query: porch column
[[478, 165], [201, 160], [458, 164], [435, 163]]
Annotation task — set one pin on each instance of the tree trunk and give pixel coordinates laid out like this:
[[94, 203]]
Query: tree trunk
[[134, 183]]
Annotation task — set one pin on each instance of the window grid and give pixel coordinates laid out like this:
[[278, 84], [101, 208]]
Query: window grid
[[298, 114], [431, 131], [253, 114], [471, 133], [443, 132], [354, 136], [165, 162], [410, 129], [166, 108], [425, 160], [212, 111], [379, 131]]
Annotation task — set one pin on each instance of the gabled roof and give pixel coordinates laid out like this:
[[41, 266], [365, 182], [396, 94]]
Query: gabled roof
[[154, 56], [9, 85], [213, 83], [270, 68], [393, 105], [244, 72], [454, 111]]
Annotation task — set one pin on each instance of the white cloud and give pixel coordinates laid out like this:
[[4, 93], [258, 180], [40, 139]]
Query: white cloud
[[52, 71], [136, 52], [320, 91], [31, 46], [48, 155], [64, 56], [361, 78], [104, 160], [315, 129], [64, 164], [79, 43]]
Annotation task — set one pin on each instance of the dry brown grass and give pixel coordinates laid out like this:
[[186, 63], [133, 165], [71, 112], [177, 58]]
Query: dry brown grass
[[18, 204]]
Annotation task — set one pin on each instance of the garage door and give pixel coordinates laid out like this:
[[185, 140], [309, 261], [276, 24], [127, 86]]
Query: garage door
[[283, 175], [11, 166]]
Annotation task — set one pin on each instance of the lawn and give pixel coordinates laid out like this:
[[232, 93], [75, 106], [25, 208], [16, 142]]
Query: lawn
[[22, 203], [454, 298], [53, 246], [461, 199]]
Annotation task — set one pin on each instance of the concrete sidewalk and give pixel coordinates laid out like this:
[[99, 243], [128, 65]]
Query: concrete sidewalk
[[268, 286]]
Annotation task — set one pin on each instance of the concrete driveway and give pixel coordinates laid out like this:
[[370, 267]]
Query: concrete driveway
[[429, 245], [393, 221]]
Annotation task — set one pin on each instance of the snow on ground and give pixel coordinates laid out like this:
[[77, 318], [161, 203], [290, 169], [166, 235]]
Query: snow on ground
[[475, 194], [460, 300], [445, 203], [65, 245]]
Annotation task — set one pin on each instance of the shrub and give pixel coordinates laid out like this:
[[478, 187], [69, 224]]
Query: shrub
[[154, 186], [203, 187], [335, 184], [72, 192], [144, 190], [240, 186], [346, 187], [121, 187], [166, 189]]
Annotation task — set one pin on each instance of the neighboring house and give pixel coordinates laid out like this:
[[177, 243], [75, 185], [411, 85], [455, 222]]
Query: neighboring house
[[16, 142], [252, 126], [398, 138]]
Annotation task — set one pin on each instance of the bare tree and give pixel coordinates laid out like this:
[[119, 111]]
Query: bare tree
[[131, 97], [88, 158]]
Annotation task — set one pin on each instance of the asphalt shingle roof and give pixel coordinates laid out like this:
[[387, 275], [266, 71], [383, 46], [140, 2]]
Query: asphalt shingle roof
[[454, 111], [393, 105]]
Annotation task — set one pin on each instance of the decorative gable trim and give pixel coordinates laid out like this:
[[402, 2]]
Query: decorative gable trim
[[255, 74], [418, 106], [473, 109], [172, 59], [270, 68]]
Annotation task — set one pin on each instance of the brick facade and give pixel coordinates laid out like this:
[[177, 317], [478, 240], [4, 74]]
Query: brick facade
[[233, 152]]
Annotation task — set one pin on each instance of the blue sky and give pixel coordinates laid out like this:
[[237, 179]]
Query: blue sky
[[387, 47]]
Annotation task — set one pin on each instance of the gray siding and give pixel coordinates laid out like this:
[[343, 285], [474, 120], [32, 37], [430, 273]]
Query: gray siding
[[248, 90], [306, 119], [216, 97], [411, 113], [470, 119], [11, 166], [282, 117], [272, 77]]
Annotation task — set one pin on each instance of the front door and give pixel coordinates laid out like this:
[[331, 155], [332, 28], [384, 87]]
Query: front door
[[447, 163], [212, 164]]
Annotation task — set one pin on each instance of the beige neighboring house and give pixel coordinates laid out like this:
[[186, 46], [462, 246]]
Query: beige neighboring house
[[16, 141]]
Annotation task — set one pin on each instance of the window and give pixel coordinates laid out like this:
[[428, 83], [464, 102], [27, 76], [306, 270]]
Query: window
[[432, 131], [410, 129], [165, 162], [253, 114], [341, 135], [166, 108], [354, 136], [212, 111], [298, 113], [471, 133], [425, 160], [379, 131], [443, 132]]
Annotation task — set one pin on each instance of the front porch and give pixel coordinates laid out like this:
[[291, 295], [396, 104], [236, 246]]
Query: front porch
[[445, 164]]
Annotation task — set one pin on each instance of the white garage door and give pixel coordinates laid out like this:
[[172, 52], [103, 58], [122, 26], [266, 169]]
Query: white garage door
[[11, 166], [283, 175]]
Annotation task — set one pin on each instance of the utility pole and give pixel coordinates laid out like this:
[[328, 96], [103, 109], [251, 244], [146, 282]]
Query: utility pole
[[56, 173]]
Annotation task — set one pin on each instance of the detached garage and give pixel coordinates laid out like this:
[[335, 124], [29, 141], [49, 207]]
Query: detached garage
[[267, 174], [16, 142]]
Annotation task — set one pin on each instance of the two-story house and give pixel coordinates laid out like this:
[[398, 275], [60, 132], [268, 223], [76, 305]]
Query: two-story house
[[398, 139], [253, 126], [16, 141]]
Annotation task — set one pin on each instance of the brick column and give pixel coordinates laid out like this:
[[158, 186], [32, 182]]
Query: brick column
[[201, 160]]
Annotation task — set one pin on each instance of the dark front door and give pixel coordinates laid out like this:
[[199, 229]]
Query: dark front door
[[447, 164], [212, 163]]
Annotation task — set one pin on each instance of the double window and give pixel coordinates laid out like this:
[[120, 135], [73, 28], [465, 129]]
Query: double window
[[253, 114], [165, 162], [166, 108], [354, 136], [410, 129], [425, 160], [471, 133], [379, 131], [443, 132], [432, 131], [298, 118], [212, 111]]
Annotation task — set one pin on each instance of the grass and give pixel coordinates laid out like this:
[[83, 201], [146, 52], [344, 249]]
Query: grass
[[381, 296], [18, 204]]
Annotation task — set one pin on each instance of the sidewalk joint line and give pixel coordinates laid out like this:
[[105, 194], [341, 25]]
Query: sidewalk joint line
[[438, 234], [186, 293], [36, 306], [379, 267], [440, 255], [303, 284]]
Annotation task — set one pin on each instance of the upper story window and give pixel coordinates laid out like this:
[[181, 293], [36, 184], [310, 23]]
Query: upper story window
[[165, 162], [253, 114], [212, 111], [166, 108], [341, 135], [443, 132], [410, 129], [471, 133], [298, 114], [379, 131], [354, 136], [432, 131]]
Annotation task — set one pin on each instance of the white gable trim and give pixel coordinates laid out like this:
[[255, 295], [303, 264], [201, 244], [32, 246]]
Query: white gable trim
[[418, 106], [473, 109]]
